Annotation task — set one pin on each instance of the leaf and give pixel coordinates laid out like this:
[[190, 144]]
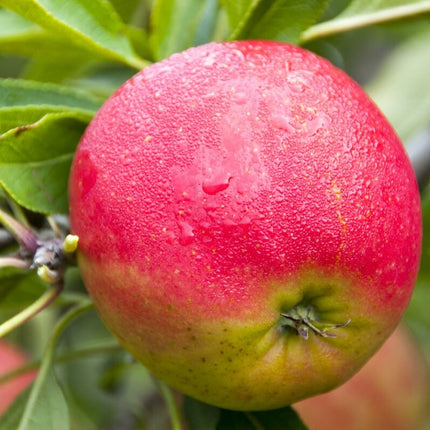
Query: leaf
[[139, 39], [279, 419], [16, 92], [10, 419], [50, 59], [365, 7], [40, 183], [127, 9], [199, 415], [12, 24], [53, 58], [40, 186], [104, 80], [402, 87], [179, 24], [19, 288], [60, 59], [35, 160], [361, 13], [92, 25], [18, 117], [54, 66], [48, 412], [282, 20]]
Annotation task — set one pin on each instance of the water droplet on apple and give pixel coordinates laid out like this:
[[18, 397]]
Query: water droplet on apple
[[210, 60], [214, 185], [229, 223], [283, 122], [239, 98], [186, 235], [212, 188], [316, 124], [279, 195], [238, 54], [245, 221], [207, 239], [299, 81]]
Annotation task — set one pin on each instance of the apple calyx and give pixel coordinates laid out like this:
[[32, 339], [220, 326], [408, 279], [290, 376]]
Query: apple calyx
[[49, 252], [51, 257], [303, 318]]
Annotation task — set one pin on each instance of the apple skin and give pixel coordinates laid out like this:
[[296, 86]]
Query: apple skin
[[232, 183], [11, 358], [390, 392]]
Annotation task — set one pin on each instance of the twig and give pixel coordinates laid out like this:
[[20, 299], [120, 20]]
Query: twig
[[41, 303], [13, 262]]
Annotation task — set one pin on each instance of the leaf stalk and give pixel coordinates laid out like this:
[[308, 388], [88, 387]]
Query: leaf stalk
[[347, 23]]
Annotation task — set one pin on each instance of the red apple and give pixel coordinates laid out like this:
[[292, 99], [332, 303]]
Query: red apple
[[390, 392], [249, 223], [10, 359]]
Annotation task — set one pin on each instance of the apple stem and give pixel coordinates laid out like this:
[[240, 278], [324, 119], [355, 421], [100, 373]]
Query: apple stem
[[302, 319]]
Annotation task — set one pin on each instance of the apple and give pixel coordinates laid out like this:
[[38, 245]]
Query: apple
[[12, 358], [390, 392], [249, 223]]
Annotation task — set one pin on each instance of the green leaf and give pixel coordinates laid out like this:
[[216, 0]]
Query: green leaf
[[279, 419], [10, 419], [56, 67], [16, 92], [50, 59], [361, 13], [35, 160], [365, 7], [46, 407], [282, 20], [12, 25], [128, 9], [402, 87], [20, 117], [53, 58], [104, 80], [22, 106], [48, 412], [39, 186], [140, 41], [179, 24], [93, 25], [200, 415], [19, 288], [55, 55]]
